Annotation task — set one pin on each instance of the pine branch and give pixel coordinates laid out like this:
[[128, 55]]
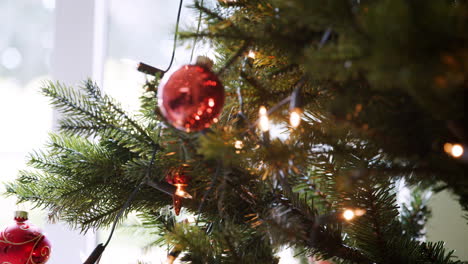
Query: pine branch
[[379, 234], [94, 115], [415, 213], [234, 57], [302, 228], [95, 93], [81, 182]]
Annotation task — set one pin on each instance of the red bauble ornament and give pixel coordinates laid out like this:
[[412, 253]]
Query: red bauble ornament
[[193, 97], [23, 243]]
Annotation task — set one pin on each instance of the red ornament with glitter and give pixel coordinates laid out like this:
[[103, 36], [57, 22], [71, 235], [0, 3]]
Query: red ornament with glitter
[[23, 243], [193, 97]]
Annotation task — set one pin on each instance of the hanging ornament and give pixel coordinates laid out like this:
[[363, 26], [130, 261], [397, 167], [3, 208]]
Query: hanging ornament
[[178, 178], [23, 243], [193, 97]]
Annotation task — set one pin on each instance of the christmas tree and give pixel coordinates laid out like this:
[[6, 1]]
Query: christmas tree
[[354, 96]]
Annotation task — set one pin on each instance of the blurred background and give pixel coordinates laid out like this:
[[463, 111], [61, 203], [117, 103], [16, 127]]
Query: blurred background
[[69, 41]]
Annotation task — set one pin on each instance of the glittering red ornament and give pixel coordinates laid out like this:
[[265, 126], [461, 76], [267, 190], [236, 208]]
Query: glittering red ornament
[[23, 243], [192, 98]]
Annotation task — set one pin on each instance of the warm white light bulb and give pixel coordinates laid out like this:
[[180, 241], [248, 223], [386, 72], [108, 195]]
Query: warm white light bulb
[[348, 214], [238, 144], [457, 150], [251, 54], [359, 212], [181, 192], [263, 122], [294, 118]]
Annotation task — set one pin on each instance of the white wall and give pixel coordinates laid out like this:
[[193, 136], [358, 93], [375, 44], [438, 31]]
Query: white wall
[[447, 224]]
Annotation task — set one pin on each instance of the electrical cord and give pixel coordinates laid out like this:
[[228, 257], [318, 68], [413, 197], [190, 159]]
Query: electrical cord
[[175, 36], [97, 253], [198, 32]]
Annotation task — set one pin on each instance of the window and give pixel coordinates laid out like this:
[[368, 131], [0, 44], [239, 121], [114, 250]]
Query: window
[[141, 31], [33, 34], [25, 48]]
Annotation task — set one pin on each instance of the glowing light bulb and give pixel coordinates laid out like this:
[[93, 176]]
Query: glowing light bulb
[[348, 214], [251, 54], [295, 118], [263, 122], [457, 150], [181, 192], [359, 212], [238, 144]]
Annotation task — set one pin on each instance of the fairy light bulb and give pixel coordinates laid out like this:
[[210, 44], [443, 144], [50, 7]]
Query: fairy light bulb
[[238, 144], [251, 54], [264, 122], [455, 150], [348, 214], [295, 105], [295, 118], [359, 212], [180, 191]]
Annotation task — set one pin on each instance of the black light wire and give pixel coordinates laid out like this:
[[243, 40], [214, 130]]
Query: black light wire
[[198, 32], [133, 194], [150, 70], [97, 253], [175, 36]]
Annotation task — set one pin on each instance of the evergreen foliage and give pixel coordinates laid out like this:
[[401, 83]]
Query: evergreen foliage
[[384, 90]]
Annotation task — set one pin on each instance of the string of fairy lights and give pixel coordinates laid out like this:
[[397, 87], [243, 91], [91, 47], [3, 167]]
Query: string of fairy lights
[[455, 150], [295, 116]]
